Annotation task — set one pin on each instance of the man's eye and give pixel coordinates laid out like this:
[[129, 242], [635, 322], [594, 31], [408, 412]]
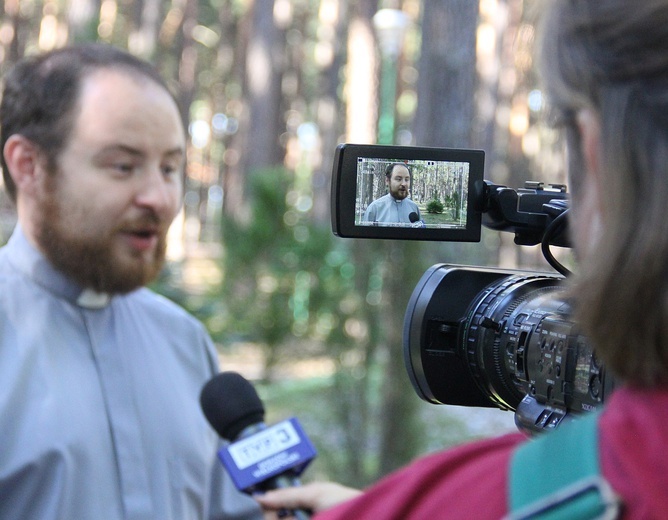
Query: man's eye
[[123, 167], [170, 170]]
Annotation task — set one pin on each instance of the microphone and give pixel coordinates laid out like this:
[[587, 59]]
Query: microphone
[[415, 219], [260, 457]]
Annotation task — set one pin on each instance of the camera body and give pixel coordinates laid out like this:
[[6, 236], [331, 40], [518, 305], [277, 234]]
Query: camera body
[[478, 336]]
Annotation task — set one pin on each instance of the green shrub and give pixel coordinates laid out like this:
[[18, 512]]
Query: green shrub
[[435, 206]]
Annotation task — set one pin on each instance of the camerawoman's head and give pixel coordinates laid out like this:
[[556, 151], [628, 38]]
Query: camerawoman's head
[[605, 70]]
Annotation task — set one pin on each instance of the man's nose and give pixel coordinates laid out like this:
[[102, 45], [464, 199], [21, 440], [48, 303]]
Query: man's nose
[[159, 193]]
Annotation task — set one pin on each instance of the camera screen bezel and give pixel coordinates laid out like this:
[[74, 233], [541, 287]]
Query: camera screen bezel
[[344, 192]]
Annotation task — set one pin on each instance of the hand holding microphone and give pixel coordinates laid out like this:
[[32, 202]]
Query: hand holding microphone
[[316, 497], [260, 457]]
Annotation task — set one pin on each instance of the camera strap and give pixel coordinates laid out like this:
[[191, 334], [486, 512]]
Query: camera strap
[[558, 476]]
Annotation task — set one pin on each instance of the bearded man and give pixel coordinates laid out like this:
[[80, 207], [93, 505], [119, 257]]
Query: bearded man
[[99, 376], [395, 206]]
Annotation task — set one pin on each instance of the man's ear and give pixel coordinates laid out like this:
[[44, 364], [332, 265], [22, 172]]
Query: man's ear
[[24, 162]]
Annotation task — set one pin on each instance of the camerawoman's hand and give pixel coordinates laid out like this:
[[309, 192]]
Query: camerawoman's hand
[[316, 496]]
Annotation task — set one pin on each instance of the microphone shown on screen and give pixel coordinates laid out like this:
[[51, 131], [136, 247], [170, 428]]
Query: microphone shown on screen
[[260, 457], [415, 219]]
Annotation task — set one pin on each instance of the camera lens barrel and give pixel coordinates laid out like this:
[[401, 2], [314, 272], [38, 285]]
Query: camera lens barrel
[[477, 336]]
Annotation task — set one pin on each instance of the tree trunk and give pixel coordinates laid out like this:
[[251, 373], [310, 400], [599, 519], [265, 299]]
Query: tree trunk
[[400, 437], [447, 77], [265, 62], [444, 115], [360, 97], [147, 18], [257, 141], [361, 76], [329, 108], [83, 17]]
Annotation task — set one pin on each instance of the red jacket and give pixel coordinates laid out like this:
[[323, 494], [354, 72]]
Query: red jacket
[[471, 481]]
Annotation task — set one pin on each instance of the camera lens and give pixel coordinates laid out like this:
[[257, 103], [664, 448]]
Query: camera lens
[[477, 336], [502, 374]]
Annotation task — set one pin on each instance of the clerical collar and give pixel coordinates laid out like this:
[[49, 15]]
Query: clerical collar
[[90, 299]]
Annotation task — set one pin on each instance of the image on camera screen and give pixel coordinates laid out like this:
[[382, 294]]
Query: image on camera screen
[[418, 193], [429, 194]]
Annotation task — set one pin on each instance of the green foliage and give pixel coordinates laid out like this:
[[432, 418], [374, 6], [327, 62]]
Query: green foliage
[[284, 276], [435, 206], [262, 259]]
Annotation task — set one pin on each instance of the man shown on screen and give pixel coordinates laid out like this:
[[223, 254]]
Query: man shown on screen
[[394, 207]]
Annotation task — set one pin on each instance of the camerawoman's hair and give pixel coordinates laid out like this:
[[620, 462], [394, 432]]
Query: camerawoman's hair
[[612, 56], [41, 92]]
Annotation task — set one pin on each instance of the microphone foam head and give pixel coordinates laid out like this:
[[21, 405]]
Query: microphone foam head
[[230, 404]]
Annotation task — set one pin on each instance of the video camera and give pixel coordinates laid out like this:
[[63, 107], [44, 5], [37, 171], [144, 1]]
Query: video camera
[[477, 336]]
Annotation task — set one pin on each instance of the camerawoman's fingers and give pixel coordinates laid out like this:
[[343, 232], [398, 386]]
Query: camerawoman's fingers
[[316, 496]]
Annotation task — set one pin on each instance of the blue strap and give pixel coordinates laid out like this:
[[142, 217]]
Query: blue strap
[[557, 476]]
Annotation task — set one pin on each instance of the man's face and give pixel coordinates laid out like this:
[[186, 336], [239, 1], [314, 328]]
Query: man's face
[[399, 182], [104, 214]]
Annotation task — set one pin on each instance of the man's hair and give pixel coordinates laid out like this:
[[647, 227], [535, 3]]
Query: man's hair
[[41, 93], [390, 168], [611, 56]]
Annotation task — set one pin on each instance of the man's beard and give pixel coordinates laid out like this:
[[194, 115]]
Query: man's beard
[[89, 259], [399, 195]]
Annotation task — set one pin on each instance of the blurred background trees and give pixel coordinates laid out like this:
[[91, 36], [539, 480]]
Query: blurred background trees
[[269, 88]]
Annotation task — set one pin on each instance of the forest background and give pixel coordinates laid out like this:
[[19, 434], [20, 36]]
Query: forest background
[[269, 88]]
